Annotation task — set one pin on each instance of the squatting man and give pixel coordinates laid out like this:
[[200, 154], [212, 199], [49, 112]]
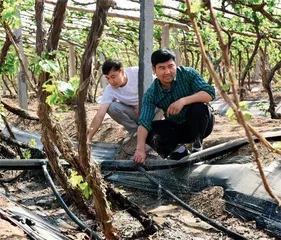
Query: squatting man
[[182, 94], [120, 98]]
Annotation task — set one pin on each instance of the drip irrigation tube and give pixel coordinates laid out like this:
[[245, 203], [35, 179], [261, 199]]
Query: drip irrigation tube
[[206, 154], [65, 207], [160, 164], [9, 164], [230, 233]]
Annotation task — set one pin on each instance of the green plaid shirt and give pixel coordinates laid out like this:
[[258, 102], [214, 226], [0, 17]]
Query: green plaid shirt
[[187, 82]]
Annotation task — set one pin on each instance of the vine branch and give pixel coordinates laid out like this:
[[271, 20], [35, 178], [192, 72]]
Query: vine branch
[[233, 104]]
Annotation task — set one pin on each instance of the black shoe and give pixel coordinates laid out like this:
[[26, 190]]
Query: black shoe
[[178, 155], [197, 146]]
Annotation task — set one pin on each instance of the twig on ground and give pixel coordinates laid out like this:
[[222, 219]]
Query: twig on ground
[[19, 111], [150, 226]]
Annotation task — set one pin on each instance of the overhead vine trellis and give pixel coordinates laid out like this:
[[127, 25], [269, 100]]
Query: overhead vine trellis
[[251, 30], [240, 21]]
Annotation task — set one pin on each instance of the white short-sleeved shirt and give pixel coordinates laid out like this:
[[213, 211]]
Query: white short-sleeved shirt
[[127, 94]]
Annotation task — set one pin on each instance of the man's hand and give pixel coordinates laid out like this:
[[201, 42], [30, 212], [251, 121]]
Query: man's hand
[[175, 107], [96, 122], [140, 156]]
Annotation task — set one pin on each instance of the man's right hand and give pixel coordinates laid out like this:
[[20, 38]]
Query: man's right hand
[[140, 156], [96, 122]]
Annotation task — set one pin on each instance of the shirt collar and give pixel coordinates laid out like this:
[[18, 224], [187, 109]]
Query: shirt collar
[[162, 90]]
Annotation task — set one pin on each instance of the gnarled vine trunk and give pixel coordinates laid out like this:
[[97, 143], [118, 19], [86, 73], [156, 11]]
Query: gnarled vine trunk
[[53, 134]]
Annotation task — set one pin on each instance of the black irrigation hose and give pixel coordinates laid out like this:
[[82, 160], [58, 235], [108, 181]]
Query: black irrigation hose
[[230, 233], [205, 155], [65, 207]]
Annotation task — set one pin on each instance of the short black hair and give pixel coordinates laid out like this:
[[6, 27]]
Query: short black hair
[[162, 55], [111, 64]]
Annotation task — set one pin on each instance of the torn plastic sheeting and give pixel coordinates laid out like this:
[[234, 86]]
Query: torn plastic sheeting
[[266, 217], [200, 176], [245, 194], [99, 150], [104, 153], [32, 224], [159, 163], [272, 227], [256, 107], [23, 136], [206, 154]]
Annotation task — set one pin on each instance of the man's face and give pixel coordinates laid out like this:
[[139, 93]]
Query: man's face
[[165, 72], [116, 78]]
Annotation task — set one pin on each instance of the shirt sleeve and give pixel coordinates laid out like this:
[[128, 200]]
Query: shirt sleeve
[[147, 111], [107, 96], [198, 84]]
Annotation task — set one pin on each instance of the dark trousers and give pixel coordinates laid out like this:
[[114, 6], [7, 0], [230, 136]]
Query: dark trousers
[[166, 135]]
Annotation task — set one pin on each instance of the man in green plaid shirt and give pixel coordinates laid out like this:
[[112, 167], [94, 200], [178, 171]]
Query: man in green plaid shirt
[[182, 94]]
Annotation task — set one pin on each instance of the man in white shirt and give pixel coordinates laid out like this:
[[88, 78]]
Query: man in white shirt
[[120, 97]]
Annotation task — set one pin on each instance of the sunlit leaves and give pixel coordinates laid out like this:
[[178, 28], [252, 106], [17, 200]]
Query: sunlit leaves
[[276, 145], [50, 66], [245, 111], [157, 33], [32, 143], [39, 64], [262, 107], [61, 92], [78, 181], [10, 13], [196, 6], [26, 5], [26, 154], [182, 6], [225, 87], [210, 38], [11, 65], [158, 11], [121, 40]]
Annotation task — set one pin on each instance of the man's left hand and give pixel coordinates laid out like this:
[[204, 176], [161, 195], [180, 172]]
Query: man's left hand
[[175, 107]]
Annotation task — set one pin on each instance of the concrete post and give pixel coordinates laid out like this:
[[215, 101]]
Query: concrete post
[[26, 65], [257, 71], [165, 36], [22, 86], [146, 45], [72, 61], [177, 50]]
